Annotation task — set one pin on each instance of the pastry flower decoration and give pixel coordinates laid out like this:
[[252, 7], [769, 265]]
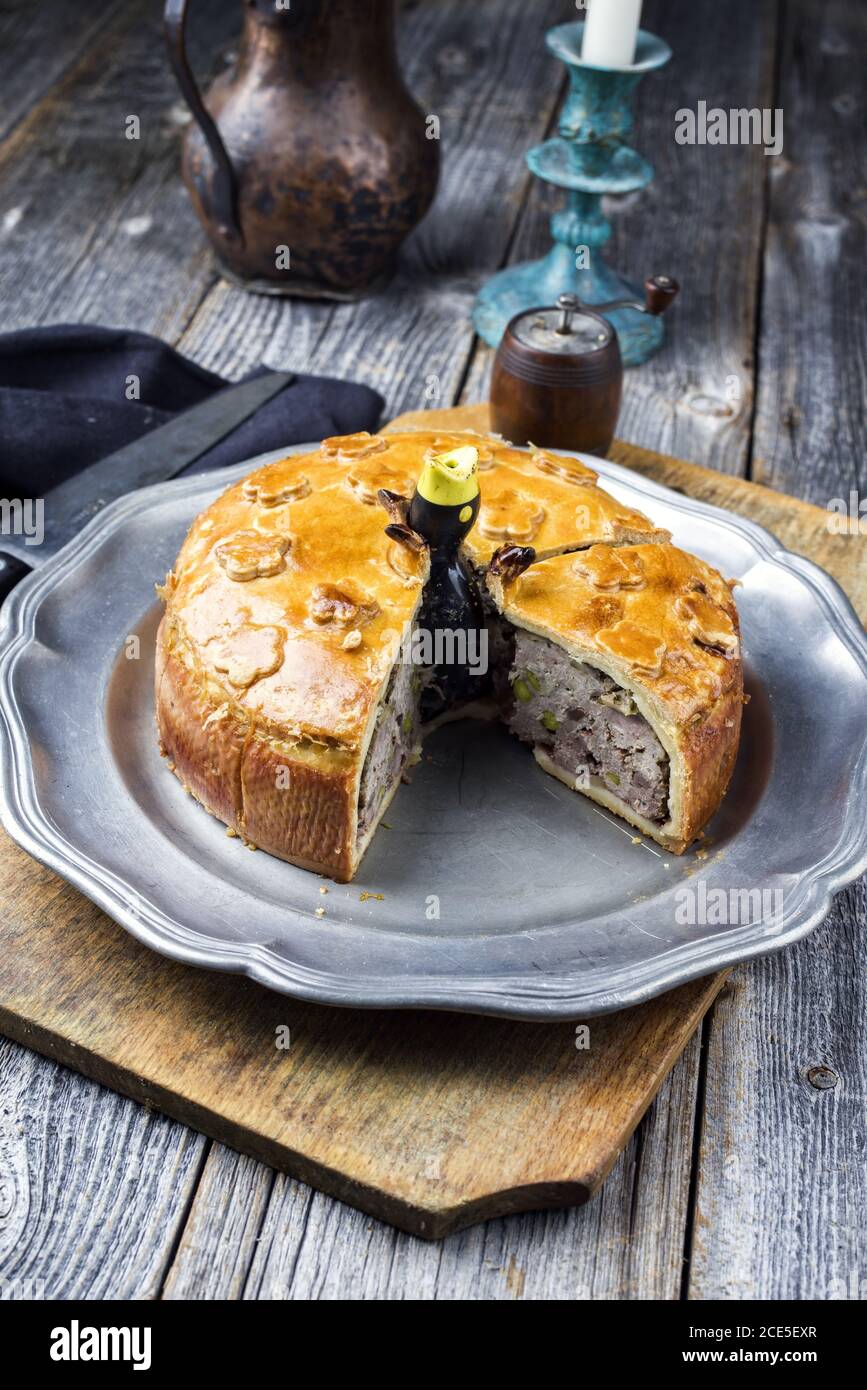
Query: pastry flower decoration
[[348, 447], [609, 569], [510, 516], [573, 470], [249, 653], [270, 490], [368, 478], [252, 555], [708, 623], [331, 605]]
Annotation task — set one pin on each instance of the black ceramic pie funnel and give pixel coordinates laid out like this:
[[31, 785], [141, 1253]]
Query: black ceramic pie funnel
[[441, 512]]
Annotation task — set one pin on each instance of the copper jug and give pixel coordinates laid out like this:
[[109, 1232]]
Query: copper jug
[[308, 162]]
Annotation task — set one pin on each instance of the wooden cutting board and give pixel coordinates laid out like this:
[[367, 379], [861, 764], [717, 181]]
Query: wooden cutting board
[[430, 1121]]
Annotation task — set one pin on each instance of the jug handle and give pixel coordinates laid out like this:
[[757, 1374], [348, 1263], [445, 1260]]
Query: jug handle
[[223, 192]]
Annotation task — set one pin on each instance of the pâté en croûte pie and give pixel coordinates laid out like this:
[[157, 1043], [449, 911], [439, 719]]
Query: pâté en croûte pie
[[285, 707]]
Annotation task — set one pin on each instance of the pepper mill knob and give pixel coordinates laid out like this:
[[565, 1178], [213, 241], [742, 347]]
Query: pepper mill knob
[[568, 304], [659, 291]]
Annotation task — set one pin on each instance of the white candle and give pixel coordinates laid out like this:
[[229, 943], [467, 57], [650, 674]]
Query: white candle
[[610, 31]]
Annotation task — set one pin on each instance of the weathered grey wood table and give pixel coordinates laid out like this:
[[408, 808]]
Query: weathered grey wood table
[[745, 1179]]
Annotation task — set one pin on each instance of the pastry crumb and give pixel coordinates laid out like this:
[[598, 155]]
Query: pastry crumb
[[320, 912], [636, 839], [232, 834], [323, 889], [378, 897], [351, 640]]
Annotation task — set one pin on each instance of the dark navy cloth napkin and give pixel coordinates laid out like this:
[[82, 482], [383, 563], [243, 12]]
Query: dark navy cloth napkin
[[67, 399]]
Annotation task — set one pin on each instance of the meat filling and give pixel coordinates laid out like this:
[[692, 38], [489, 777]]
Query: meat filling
[[394, 739], [588, 725]]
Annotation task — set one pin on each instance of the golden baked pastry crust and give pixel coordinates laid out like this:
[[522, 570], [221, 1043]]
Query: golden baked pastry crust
[[287, 603]]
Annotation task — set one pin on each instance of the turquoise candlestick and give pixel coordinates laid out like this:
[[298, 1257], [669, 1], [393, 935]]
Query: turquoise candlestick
[[589, 158]]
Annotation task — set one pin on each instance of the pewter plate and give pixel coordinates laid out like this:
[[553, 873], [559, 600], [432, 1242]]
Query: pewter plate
[[493, 888]]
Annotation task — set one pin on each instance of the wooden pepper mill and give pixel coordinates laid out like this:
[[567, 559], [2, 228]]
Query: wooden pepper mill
[[308, 163], [558, 374]]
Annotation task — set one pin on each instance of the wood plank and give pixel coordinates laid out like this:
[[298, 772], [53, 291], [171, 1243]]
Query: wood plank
[[106, 233], [782, 1182], [91, 1185], [677, 402], [224, 1226], [625, 1243], [811, 426], [38, 44]]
